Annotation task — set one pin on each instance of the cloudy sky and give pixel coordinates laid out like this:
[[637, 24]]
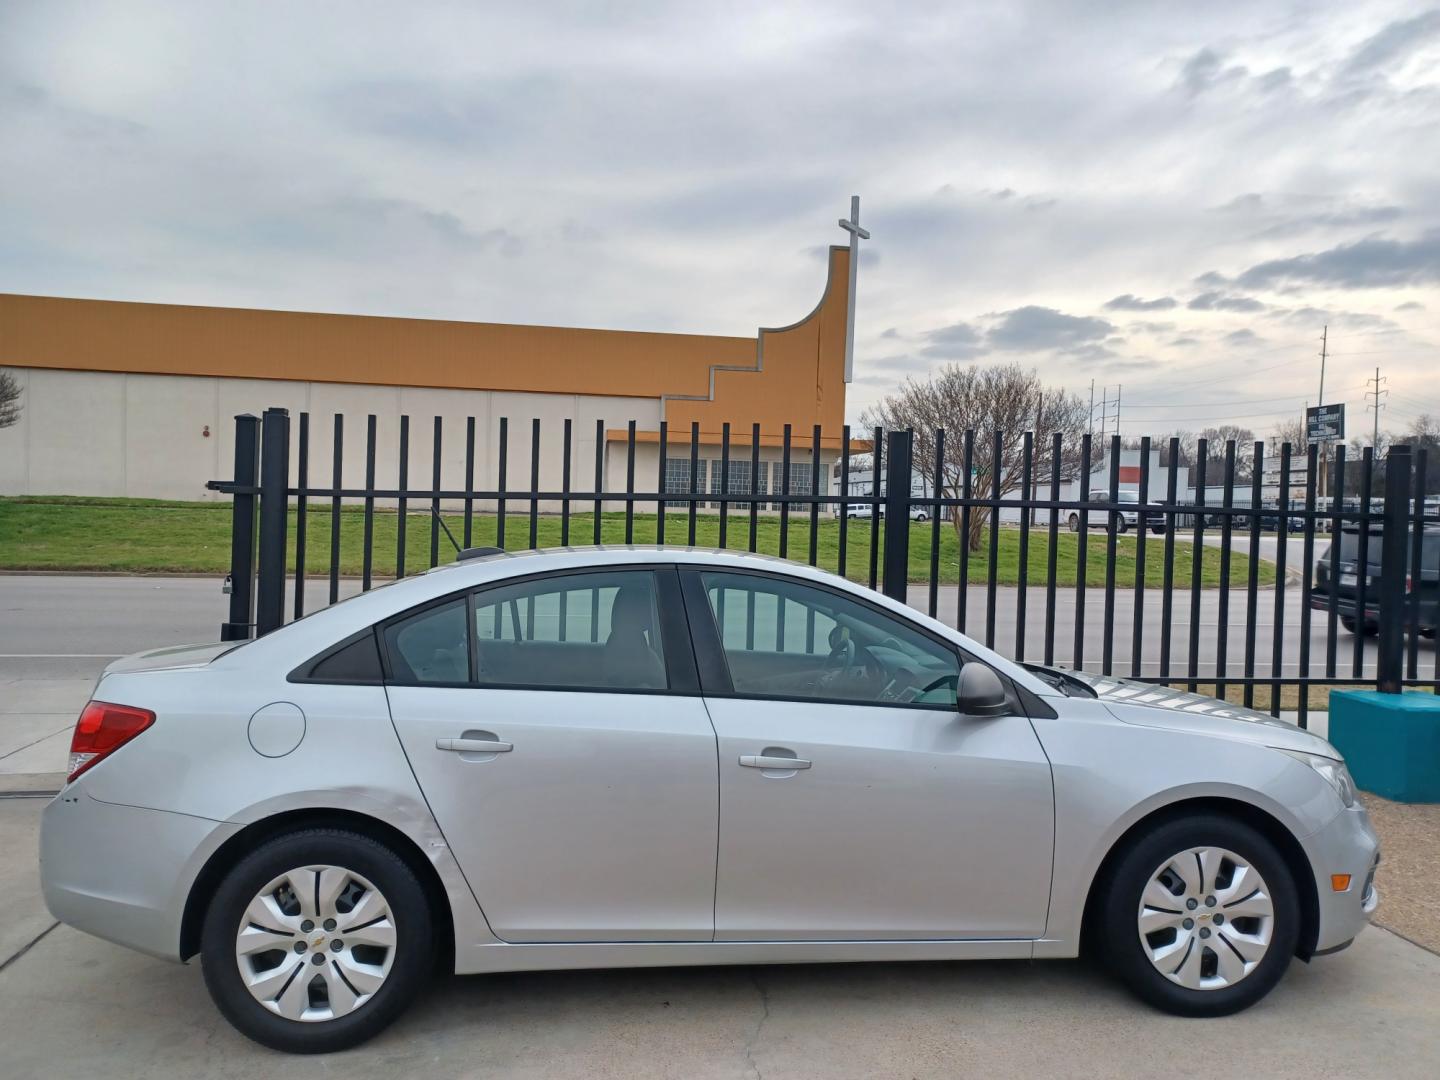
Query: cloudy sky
[[1170, 196]]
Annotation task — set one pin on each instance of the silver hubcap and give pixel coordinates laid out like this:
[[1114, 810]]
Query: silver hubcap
[[316, 943], [1206, 918]]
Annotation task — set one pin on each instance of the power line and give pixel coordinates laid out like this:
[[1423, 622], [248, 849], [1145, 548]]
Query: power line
[[1233, 401], [1206, 419]]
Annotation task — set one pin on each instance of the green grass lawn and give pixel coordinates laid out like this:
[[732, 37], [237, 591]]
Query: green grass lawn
[[144, 536]]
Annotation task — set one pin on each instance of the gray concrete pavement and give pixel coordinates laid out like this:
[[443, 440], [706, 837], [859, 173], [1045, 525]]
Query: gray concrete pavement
[[74, 1006]]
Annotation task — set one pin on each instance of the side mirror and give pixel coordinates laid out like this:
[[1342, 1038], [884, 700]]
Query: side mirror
[[980, 692]]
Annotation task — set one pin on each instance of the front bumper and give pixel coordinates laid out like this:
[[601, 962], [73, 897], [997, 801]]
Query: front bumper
[[121, 872], [1348, 845]]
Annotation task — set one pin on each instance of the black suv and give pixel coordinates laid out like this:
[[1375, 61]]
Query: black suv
[[1427, 588]]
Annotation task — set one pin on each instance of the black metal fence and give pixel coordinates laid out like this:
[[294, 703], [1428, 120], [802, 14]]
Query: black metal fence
[[1172, 598]]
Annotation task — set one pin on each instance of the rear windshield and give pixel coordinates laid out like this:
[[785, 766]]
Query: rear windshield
[[1350, 547]]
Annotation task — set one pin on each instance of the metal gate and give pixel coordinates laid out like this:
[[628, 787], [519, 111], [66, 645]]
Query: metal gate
[[1159, 617]]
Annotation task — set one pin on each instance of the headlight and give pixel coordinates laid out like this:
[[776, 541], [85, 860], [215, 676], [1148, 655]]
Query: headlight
[[1331, 771]]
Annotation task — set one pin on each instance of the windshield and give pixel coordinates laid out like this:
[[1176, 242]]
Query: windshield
[[1127, 497]]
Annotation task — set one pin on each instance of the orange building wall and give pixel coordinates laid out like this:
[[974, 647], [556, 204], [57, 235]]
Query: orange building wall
[[792, 375]]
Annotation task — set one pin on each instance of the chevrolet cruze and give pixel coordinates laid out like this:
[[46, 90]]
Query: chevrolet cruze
[[635, 757]]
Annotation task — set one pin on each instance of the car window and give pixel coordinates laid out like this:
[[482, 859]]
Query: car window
[[790, 640], [430, 646], [357, 662], [571, 631]]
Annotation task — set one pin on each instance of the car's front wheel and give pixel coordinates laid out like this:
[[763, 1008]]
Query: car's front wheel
[[316, 941], [1368, 629], [1200, 916]]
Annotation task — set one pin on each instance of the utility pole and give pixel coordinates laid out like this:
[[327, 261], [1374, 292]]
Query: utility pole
[[1104, 413], [1377, 405], [1118, 388], [1324, 447], [1090, 424]]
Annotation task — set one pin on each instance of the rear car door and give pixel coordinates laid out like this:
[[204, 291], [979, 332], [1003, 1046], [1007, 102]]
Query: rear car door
[[900, 818], [556, 728]]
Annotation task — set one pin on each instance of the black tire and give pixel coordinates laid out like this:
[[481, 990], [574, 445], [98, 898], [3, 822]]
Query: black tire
[[1119, 937], [414, 953], [1368, 629], [1121, 525], [1075, 523]]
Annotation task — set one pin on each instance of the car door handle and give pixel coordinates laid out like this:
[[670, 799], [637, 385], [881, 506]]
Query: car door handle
[[474, 746], [766, 761]]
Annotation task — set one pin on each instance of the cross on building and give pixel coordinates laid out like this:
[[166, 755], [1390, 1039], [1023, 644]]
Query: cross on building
[[852, 226]]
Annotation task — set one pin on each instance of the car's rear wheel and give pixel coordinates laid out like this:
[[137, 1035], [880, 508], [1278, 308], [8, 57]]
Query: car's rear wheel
[[316, 941], [1200, 916], [1075, 523]]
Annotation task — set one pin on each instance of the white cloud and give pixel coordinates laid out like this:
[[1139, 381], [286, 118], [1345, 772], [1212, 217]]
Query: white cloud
[[674, 165]]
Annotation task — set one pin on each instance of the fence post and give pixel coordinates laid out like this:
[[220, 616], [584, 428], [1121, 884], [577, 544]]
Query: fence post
[[1394, 571], [242, 529], [274, 514], [897, 514]]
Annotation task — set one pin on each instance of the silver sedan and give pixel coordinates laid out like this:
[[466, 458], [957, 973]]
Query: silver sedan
[[635, 757]]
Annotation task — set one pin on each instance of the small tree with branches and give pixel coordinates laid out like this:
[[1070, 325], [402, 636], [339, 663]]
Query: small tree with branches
[[9, 399], [1003, 400]]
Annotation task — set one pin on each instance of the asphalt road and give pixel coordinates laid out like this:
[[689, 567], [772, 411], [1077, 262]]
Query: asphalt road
[[71, 626], [58, 632]]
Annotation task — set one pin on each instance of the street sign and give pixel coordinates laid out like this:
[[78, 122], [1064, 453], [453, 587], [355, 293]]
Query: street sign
[[1325, 423]]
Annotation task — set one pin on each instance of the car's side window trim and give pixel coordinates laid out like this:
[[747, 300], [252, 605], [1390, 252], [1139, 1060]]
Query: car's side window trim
[[714, 667], [711, 664], [303, 673], [680, 668]]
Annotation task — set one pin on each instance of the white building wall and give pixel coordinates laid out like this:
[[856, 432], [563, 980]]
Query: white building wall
[[165, 436]]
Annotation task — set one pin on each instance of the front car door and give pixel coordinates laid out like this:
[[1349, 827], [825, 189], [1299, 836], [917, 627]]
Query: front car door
[[555, 726], [900, 818]]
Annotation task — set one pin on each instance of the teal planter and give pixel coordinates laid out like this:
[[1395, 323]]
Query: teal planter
[[1391, 742]]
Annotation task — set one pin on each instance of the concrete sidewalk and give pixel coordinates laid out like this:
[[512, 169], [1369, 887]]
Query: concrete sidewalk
[[73, 1006]]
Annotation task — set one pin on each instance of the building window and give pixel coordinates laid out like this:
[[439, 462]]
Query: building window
[[677, 476], [800, 481], [738, 484]]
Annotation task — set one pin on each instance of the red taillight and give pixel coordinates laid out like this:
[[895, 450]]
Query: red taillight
[[101, 730]]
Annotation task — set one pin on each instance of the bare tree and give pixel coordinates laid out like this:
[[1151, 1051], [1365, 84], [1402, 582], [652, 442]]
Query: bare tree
[[1003, 400], [1288, 431], [1216, 438], [1424, 434], [9, 399], [1185, 446]]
